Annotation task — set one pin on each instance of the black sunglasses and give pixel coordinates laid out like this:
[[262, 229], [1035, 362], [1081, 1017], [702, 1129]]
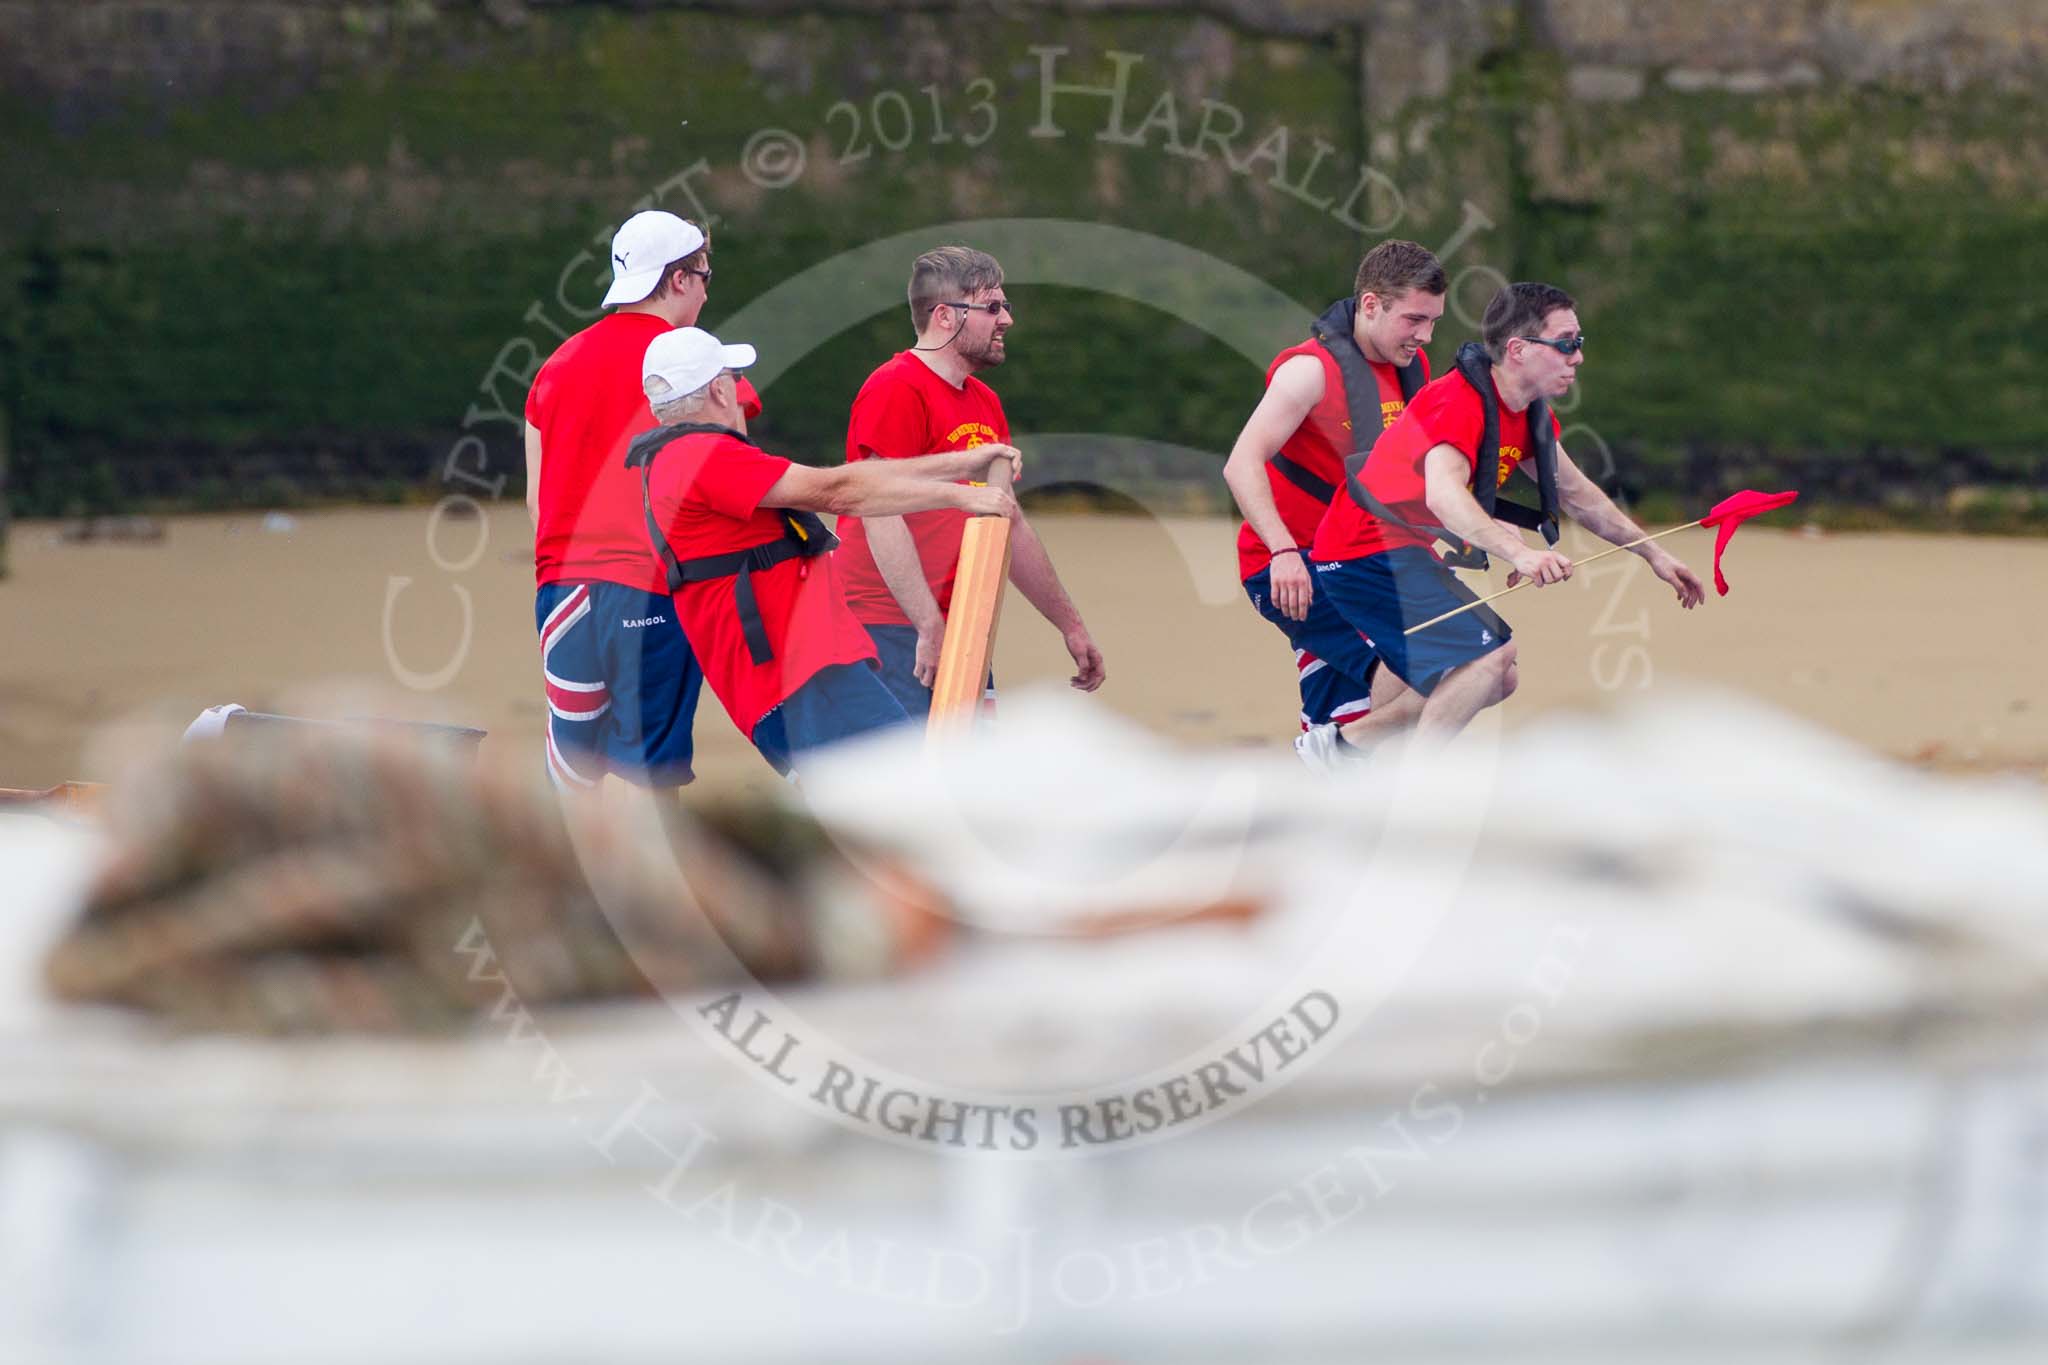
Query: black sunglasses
[[1562, 345], [992, 307], [704, 274]]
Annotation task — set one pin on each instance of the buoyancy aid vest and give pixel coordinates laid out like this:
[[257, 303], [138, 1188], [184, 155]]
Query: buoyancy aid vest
[[1361, 390], [804, 536], [1475, 367]]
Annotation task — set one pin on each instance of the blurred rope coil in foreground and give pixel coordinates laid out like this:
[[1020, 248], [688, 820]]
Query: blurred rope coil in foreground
[[338, 880]]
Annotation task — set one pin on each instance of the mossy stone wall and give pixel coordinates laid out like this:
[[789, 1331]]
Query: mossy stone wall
[[282, 250]]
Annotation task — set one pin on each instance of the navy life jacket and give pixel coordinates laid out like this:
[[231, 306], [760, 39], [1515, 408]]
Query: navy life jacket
[[1475, 367], [804, 536], [1361, 394]]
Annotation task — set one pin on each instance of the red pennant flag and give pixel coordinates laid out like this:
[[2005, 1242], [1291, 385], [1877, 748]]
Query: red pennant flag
[[1731, 512]]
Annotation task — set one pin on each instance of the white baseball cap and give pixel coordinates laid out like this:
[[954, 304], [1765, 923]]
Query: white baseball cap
[[644, 244], [685, 360]]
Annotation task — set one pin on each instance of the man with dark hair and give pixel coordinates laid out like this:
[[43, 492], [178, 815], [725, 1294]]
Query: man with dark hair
[[923, 401], [621, 683], [1433, 475], [751, 565], [1325, 398]]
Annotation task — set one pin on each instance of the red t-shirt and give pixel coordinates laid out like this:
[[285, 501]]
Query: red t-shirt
[[1446, 412], [903, 411], [1319, 445], [707, 490], [587, 404]]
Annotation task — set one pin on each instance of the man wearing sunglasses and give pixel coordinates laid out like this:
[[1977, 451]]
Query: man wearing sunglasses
[[1433, 475], [1325, 398], [925, 401], [620, 679]]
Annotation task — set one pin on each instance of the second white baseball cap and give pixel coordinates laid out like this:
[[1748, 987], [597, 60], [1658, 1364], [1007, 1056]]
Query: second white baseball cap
[[644, 244], [685, 360]]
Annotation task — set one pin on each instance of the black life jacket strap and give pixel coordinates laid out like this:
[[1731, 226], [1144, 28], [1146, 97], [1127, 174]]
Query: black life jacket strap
[[1543, 442], [804, 536], [648, 444], [1413, 377], [1475, 367], [1322, 490], [640, 455], [1362, 396], [1332, 331], [741, 566]]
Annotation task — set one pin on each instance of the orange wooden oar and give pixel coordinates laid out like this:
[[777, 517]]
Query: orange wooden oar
[[971, 620]]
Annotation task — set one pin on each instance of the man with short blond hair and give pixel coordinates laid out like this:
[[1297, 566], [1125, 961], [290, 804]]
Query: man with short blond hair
[[926, 400], [1326, 398]]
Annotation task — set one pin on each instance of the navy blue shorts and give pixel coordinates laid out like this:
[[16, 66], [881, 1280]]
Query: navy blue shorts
[[897, 648], [1333, 662], [1383, 594], [621, 684], [839, 702]]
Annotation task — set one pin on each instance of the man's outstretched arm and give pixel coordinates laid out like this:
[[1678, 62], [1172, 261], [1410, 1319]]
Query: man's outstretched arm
[[1446, 472], [1582, 500], [896, 558]]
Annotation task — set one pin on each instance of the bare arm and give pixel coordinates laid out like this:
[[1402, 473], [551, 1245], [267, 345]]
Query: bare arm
[[895, 553], [1581, 499], [1446, 473], [1296, 388], [895, 550], [885, 488], [1032, 571], [533, 473]]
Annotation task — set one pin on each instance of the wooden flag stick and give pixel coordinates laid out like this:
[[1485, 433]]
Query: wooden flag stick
[[971, 619], [1615, 550]]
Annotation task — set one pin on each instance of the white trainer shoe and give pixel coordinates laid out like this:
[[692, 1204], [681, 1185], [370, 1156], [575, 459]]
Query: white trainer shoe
[[1322, 750]]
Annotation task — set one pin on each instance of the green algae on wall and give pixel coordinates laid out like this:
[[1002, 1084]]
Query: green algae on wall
[[324, 283]]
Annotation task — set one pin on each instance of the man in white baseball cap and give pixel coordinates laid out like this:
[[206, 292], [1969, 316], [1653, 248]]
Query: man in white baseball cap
[[620, 680], [749, 562], [686, 360], [645, 247]]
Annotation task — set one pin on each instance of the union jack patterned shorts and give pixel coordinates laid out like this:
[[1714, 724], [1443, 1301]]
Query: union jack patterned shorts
[[1332, 662], [621, 685]]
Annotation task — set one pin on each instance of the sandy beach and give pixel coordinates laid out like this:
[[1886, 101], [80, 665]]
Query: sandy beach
[[1904, 643]]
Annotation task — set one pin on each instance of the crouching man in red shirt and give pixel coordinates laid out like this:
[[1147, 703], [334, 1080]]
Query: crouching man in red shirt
[[749, 564]]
